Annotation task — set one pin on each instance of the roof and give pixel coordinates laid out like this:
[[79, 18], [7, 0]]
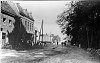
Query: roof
[[20, 9], [14, 7], [7, 8], [24, 12]]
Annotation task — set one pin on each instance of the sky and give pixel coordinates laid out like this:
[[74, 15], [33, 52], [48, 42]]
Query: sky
[[46, 11]]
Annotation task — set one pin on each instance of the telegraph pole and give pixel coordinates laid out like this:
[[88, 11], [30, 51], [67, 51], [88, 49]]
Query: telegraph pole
[[42, 30]]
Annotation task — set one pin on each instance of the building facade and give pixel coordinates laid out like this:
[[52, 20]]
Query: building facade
[[28, 22], [7, 21], [46, 39], [12, 13]]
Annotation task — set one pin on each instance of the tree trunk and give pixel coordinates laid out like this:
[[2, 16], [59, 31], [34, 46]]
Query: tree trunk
[[91, 38], [87, 37]]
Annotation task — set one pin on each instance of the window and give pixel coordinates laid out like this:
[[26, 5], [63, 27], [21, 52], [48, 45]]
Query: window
[[26, 23], [1, 29], [10, 22], [3, 35], [4, 21], [30, 26]]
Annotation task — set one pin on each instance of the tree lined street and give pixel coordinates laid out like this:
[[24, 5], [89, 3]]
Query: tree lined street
[[81, 20], [79, 23]]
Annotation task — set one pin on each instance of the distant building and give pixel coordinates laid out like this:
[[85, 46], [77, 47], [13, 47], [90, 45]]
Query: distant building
[[46, 38], [50, 38]]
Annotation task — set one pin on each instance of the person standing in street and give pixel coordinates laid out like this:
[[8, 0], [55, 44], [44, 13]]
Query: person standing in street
[[57, 43]]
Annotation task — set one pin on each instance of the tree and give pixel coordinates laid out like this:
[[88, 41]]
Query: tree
[[18, 37], [56, 38], [82, 21]]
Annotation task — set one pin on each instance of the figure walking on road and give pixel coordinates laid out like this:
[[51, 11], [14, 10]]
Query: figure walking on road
[[57, 42]]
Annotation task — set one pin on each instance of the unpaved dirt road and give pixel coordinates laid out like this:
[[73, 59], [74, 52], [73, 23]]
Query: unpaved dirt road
[[51, 54]]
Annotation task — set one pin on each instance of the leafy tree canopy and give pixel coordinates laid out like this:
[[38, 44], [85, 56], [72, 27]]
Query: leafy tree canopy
[[82, 21]]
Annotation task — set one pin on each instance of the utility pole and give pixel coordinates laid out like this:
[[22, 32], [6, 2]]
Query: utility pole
[[42, 30]]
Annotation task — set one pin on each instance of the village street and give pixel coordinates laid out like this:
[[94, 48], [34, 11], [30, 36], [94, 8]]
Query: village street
[[50, 32], [50, 54]]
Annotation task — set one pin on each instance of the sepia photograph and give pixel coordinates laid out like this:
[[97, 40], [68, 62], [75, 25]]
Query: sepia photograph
[[50, 31]]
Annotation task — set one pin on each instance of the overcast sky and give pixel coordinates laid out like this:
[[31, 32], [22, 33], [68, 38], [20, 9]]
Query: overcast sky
[[46, 10]]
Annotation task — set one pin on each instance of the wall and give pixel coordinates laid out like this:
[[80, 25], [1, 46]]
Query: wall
[[7, 23], [7, 26], [46, 37], [29, 25]]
